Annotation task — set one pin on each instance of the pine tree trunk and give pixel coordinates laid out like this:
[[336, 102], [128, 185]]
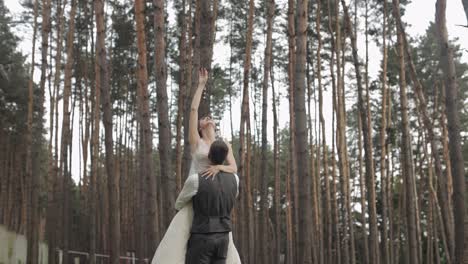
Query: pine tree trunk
[[383, 145], [369, 161], [112, 175], [292, 126], [181, 96], [453, 122], [446, 155], [84, 114], [46, 7], [66, 135], [316, 234], [146, 137], [248, 179], [94, 165], [335, 237], [193, 65], [244, 148], [407, 164], [167, 177], [443, 194], [343, 142], [334, 203], [289, 219], [276, 166], [206, 50], [327, 214], [448, 174], [57, 198], [51, 192], [32, 177], [304, 192], [264, 211]]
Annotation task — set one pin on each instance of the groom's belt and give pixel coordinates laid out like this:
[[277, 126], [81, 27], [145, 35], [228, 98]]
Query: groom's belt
[[211, 224]]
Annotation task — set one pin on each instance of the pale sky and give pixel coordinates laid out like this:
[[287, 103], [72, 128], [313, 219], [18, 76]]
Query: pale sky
[[418, 15]]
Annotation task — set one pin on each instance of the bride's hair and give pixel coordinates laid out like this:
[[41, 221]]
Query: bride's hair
[[198, 125], [218, 152]]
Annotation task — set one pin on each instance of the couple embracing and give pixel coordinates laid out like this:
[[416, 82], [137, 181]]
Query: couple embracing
[[200, 233]]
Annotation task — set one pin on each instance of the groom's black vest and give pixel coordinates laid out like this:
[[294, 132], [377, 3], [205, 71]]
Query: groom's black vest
[[213, 203]]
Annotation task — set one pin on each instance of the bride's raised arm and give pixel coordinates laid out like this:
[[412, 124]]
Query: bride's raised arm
[[194, 137]]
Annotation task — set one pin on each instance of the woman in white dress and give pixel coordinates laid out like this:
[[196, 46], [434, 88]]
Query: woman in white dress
[[202, 133]]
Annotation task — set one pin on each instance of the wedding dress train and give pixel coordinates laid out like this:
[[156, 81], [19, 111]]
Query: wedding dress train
[[173, 246]]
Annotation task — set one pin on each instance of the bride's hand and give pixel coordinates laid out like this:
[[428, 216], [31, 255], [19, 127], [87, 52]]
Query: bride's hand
[[202, 77], [211, 171]]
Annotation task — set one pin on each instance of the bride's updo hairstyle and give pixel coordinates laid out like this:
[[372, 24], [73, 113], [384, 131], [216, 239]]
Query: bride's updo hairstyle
[[218, 152]]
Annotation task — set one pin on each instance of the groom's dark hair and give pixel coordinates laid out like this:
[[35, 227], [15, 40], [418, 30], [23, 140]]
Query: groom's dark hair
[[218, 152]]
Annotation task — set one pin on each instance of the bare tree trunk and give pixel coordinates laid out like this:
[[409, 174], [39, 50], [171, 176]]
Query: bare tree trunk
[[292, 126], [32, 177], [317, 255], [167, 177], [369, 161], [453, 122], [348, 230], [443, 194], [446, 155], [318, 71], [94, 165], [244, 149], [146, 137], [289, 229], [383, 145], [304, 220], [335, 232], [193, 64], [51, 191], [46, 7], [276, 166], [66, 134], [249, 189], [181, 95], [206, 50], [112, 176], [57, 196], [231, 83], [87, 118], [347, 195], [407, 164], [264, 209]]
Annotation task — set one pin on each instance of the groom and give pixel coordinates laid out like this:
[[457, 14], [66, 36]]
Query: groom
[[213, 200]]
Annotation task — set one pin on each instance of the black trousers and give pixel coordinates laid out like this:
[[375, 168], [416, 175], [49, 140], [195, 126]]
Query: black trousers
[[207, 248]]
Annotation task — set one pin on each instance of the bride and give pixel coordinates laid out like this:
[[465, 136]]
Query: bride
[[202, 133]]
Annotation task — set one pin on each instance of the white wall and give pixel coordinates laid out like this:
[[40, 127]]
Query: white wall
[[13, 248]]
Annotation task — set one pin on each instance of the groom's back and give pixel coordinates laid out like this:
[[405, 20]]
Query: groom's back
[[213, 203]]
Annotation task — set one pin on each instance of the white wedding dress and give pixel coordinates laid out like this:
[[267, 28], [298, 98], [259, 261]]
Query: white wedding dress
[[172, 248]]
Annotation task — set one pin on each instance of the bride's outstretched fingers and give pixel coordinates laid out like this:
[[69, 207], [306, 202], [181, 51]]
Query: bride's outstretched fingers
[[202, 77]]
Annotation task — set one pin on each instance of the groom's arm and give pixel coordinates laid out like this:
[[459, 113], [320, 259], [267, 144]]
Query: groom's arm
[[188, 191], [237, 181]]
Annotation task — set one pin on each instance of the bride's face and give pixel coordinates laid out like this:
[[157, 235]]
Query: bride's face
[[206, 121]]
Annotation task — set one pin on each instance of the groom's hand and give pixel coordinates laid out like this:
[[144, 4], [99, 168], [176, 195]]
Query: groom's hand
[[211, 171]]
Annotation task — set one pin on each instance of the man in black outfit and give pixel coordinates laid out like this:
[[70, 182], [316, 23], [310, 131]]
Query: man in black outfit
[[213, 200]]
